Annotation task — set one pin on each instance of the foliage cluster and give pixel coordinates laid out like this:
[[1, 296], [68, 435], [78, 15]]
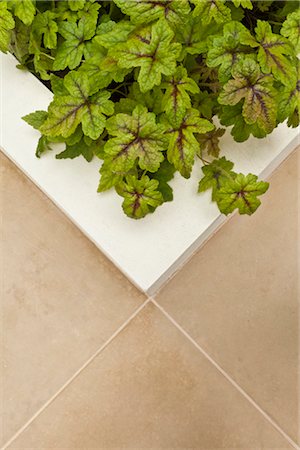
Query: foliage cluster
[[146, 86]]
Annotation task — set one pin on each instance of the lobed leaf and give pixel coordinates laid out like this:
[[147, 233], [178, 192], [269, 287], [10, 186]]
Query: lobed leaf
[[36, 119], [164, 174], [141, 196], [241, 193], [146, 11], [232, 115], [272, 51], [216, 175], [289, 101], [194, 35], [66, 112], [137, 137], [256, 90], [44, 27], [244, 3], [209, 142], [7, 24], [75, 150], [71, 51], [176, 99], [76, 5], [291, 29], [154, 56], [183, 145], [210, 10], [25, 10], [226, 51]]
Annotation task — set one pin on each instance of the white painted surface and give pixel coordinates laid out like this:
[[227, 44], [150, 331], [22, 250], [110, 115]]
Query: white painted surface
[[150, 250]]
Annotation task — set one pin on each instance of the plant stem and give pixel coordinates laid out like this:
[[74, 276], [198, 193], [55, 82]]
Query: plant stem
[[275, 23], [119, 92], [217, 84], [205, 162], [48, 56], [111, 8]]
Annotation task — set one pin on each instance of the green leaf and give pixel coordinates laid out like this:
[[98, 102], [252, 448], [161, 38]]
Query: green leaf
[[7, 23], [89, 15], [58, 86], [109, 65], [289, 101], [125, 105], [151, 99], [109, 178], [146, 11], [209, 142], [237, 14], [241, 193], [74, 138], [183, 145], [68, 111], [71, 51], [25, 10], [288, 7], [256, 90], [215, 175], [291, 29], [72, 151], [226, 51], [264, 5], [193, 35], [205, 103], [232, 115], [155, 57], [111, 33], [42, 64], [210, 10], [76, 5], [137, 137], [101, 70], [176, 99], [164, 174], [36, 119], [19, 43], [43, 146], [140, 196], [44, 26], [272, 49], [294, 118], [244, 3]]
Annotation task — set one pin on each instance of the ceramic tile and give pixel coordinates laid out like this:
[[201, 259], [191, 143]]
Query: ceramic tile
[[150, 388], [238, 298], [61, 298]]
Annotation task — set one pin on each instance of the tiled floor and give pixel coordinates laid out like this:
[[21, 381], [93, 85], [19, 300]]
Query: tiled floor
[[88, 362]]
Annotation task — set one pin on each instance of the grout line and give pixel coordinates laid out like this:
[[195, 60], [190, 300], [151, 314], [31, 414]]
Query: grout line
[[76, 374], [225, 374]]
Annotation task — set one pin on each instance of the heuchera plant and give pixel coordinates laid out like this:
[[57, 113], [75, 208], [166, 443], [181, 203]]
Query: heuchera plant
[[139, 83]]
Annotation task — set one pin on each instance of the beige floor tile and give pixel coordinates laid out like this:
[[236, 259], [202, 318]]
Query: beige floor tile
[[150, 388], [237, 297], [61, 298]]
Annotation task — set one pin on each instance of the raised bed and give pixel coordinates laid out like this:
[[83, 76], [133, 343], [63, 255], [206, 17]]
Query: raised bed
[[148, 251]]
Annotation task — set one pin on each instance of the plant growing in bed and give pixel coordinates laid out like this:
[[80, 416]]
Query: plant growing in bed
[[148, 86]]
